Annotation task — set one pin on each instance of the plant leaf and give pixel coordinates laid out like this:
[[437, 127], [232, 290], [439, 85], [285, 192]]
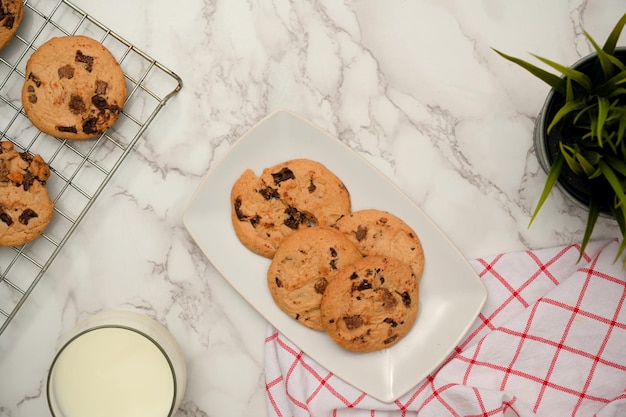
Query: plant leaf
[[619, 213], [553, 176], [621, 129], [569, 91], [616, 92], [569, 155], [580, 77], [617, 164], [552, 80], [603, 58], [567, 108], [615, 61], [611, 41], [617, 79], [612, 179], [603, 111], [592, 218], [611, 88], [620, 251], [588, 168]]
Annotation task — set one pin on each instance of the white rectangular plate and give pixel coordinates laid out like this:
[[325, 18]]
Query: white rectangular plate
[[451, 294]]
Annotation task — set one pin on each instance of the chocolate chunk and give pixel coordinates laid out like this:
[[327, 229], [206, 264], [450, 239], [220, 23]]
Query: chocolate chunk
[[333, 264], [237, 206], [69, 129], [279, 283], [269, 193], [34, 79], [389, 301], [283, 175], [4, 174], [9, 22], [26, 216], [114, 109], [77, 105], [29, 178], [101, 87], [31, 89], [295, 218], [361, 232], [6, 219], [353, 322], [66, 71], [84, 59], [392, 322], [255, 220], [364, 285], [406, 299], [32, 98], [312, 187], [354, 276], [90, 125], [8, 17], [25, 156], [333, 252], [390, 339], [242, 217], [320, 285], [100, 102]]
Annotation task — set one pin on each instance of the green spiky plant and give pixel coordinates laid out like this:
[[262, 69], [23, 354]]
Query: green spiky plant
[[591, 125]]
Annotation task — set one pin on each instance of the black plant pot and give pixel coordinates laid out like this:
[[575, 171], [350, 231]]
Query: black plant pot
[[578, 189]]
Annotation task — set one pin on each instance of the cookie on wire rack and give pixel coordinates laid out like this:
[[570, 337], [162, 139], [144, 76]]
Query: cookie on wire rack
[[25, 206], [11, 13], [74, 88]]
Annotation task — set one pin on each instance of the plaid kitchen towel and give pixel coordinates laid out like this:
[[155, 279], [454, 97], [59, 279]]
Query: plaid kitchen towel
[[550, 341]]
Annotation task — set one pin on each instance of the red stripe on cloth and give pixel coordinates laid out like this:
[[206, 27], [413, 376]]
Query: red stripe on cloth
[[612, 324]]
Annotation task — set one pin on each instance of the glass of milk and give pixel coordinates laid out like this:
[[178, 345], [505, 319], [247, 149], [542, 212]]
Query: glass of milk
[[117, 363]]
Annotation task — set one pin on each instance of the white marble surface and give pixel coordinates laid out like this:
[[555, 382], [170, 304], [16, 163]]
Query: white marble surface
[[414, 86]]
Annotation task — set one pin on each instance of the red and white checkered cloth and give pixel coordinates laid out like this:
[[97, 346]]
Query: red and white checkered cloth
[[550, 341]]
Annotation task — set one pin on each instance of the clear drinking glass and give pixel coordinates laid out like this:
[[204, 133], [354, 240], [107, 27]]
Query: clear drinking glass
[[117, 363]]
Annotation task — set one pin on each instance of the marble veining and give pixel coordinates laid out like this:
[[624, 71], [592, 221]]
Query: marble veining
[[413, 86]]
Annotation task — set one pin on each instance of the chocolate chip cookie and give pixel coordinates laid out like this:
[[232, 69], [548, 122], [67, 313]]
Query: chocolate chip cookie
[[377, 232], [25, 207], [371, 304], [310, 187], [74, 88], [302, 267], [260, 219], [11, 13], [292, 195]]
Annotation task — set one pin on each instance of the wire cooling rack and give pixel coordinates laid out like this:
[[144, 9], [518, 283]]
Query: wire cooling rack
[[79, 169]]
